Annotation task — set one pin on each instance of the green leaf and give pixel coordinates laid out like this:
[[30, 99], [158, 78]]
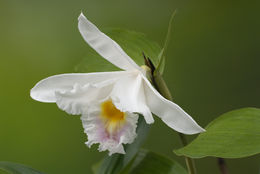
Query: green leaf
[[114, 163], [161, 57], [235, 134], [146, 162], [133, 43], [15, 168]]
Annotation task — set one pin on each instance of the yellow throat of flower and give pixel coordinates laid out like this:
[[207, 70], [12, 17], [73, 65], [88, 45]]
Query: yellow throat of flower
[[110, 112], [113, 118]]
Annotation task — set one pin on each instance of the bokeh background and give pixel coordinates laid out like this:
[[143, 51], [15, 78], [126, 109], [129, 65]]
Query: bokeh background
[[213, 66]]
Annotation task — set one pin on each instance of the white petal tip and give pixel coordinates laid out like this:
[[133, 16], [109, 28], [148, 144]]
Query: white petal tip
[[41, 96], [202, 130], [149, 121], [34, 94], [31, 94], [81, 16], [197, 131]]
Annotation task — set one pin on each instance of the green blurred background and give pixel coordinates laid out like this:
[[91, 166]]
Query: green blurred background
[[213, 66]]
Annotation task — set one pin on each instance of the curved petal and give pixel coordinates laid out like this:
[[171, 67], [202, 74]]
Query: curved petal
[[44, 90], [172, 115], [77, 100], [128, 95], [104, 45]]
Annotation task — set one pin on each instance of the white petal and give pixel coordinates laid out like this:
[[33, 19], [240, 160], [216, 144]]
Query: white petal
[[44, 90], [104, 45], [173, 115], [128, 95], [77, 100]]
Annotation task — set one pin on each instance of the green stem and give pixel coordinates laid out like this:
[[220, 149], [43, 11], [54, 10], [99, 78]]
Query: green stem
[[161, 86], [222, 166], [189, 161]]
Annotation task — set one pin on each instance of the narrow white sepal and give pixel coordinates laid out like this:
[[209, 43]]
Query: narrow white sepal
[[170, 113], [104, 45]]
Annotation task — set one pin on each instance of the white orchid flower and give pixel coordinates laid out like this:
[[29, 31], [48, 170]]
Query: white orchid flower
[[110, 102]]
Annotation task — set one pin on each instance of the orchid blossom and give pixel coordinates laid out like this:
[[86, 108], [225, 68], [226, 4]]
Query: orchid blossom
[[110, 102]]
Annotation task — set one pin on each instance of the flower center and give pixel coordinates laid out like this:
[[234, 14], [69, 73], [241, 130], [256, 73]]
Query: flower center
[[110, 112], [113, 119]]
